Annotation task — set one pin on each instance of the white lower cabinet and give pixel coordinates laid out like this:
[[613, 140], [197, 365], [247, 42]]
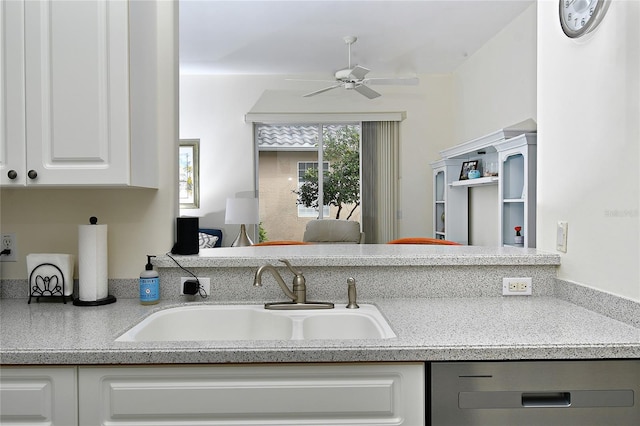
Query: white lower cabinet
[[310, 394], [38, 396]]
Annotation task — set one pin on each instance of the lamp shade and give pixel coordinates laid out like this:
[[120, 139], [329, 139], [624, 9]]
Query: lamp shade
[[242, 211]]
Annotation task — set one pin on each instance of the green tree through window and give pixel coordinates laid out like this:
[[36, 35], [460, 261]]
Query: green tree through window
[[341, 183]]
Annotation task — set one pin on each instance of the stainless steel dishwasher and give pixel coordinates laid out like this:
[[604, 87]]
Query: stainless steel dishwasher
[[535, 393]]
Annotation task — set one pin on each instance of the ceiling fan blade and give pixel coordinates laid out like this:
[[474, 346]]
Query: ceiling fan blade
[[317, 92], [366, 91], [305, 80], [409, 81], [358, 72]]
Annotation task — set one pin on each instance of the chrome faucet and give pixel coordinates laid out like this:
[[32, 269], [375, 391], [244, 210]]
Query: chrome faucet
[[351, 293], [298, 295]]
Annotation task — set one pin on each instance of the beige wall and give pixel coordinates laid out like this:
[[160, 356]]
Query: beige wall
[[588, 147], [212, 108], [493, 89], [496, 86], [141, 221]]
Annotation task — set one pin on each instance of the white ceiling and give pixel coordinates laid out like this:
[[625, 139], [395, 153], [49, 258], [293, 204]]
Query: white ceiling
[[395, 37]]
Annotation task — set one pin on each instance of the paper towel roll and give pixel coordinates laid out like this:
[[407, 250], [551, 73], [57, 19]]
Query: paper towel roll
[[92, 263]]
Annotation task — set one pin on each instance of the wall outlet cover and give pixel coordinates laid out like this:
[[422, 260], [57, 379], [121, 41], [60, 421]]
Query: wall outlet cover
[[517, 286], [8, 242]]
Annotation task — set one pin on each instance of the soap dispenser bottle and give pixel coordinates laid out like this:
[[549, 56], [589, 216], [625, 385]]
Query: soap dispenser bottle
[[149, 284]]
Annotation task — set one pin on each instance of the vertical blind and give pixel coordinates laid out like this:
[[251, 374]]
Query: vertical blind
[[379, 183]]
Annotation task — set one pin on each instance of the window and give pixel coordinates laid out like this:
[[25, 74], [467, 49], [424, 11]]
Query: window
[[286, 154]]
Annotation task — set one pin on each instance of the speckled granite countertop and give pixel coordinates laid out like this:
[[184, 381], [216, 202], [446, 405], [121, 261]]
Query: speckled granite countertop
[[362, 255], [430, 329]]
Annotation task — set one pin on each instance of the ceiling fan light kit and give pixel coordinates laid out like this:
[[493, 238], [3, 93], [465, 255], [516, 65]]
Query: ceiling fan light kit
[[354, 78]]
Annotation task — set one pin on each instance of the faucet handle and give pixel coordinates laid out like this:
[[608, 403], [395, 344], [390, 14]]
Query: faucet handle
[[293, 271], [351, 293]]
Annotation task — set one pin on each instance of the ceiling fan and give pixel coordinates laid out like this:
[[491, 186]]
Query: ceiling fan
[[354, 78]]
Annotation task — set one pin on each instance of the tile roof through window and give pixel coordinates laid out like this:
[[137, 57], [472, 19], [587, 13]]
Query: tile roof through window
[[291, 136]]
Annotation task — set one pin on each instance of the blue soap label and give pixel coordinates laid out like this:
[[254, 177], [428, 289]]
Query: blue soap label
[[149, 289]]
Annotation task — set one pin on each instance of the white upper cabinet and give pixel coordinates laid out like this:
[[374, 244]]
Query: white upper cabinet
[[12, 118], [67, 114]]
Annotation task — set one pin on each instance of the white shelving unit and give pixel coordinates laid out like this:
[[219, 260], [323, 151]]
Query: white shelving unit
[[449, 207], [517, 189], [515, 153], [488, 180]]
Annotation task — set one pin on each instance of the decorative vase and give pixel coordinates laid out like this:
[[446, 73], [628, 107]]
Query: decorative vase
[[518, 240]]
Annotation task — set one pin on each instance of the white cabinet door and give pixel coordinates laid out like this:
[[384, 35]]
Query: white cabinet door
[[38, 396], [12, 119], [340, 394], [78, 81], [77, 94]]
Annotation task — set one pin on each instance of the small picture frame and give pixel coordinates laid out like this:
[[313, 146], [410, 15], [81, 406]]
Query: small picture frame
[[189, 174], [466, 167]]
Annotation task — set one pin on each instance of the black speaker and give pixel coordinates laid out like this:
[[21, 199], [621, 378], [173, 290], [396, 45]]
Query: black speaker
[[187, 230]]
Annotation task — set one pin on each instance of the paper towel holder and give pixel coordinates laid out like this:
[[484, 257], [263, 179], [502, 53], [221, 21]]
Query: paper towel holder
[[99, 302], [46, 285], [92, 302]]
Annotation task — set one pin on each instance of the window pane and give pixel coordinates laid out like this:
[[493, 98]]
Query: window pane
[[277, 181], [288, 157], [303, 169], [341, 184]]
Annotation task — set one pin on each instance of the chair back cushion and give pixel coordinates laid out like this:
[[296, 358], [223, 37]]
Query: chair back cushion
[[333, 231]]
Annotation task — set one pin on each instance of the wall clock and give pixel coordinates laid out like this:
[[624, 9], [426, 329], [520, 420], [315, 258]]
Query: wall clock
[[579, 17]]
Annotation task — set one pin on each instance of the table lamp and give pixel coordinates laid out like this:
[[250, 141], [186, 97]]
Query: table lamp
[[242, 211]]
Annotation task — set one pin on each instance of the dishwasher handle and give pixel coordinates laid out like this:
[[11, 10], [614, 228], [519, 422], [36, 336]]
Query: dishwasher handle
[[546, 399]]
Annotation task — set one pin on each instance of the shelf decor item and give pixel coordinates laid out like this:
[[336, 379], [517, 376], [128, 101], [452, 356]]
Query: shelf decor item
[[490, 169], [467, 166], [518, 239]]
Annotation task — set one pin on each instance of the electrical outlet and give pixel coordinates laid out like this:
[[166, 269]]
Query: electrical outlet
[[205, 284], [519, 286], [8, 242]]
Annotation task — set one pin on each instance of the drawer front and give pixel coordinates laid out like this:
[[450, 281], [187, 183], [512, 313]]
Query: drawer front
[[382, 394]]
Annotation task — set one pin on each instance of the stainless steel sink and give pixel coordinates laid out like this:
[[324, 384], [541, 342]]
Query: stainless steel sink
[[253, 322]]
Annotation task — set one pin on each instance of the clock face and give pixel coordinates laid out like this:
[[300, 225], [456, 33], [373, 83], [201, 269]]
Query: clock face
[[578, 17]]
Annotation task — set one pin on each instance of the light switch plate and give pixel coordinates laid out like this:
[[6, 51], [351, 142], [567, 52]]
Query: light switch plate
[[561, 236]]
